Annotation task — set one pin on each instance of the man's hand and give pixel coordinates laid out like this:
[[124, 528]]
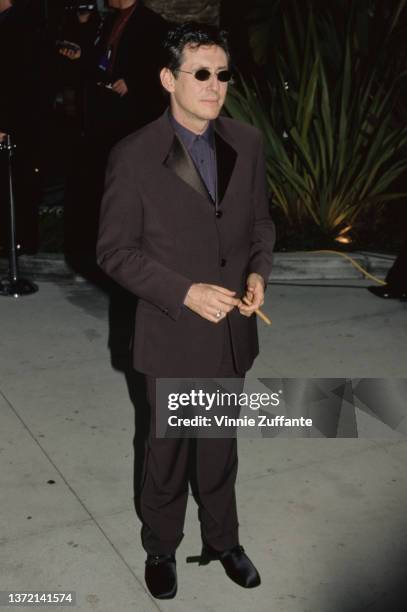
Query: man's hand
[[211, 300], [120, 87], [83, 17], [3, 136], [254, 295], [72, 54]]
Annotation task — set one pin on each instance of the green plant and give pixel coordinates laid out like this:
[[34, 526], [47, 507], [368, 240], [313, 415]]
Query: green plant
[[331, 145]]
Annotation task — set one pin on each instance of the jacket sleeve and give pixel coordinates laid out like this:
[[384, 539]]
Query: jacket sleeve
[[264, 231], [119, 248]]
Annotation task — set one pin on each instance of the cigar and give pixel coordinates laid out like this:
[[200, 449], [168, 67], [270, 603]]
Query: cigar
[[258, 312]]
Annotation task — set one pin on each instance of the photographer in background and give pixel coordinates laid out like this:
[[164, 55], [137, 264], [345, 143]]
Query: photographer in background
[[121, 68], [78, 29], [122, 93]]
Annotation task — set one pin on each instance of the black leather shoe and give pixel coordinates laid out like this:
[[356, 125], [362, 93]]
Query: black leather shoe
[[161, 576], [237, 565], [386, 292]]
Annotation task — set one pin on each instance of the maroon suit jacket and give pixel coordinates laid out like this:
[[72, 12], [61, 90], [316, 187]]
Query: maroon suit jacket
[[158, 234]]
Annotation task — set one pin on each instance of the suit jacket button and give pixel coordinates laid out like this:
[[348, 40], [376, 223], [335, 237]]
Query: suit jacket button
[[218, 214], [222, 263]]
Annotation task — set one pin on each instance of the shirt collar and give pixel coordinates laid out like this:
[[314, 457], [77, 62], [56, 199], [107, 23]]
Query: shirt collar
[[189, 137]]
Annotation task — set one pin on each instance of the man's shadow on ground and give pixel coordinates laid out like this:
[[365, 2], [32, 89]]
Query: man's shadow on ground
[[121, 317]]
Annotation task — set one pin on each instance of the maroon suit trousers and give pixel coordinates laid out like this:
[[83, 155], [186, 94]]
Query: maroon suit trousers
[[167, 472]]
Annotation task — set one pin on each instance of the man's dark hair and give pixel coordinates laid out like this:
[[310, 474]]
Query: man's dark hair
[[194, 35]]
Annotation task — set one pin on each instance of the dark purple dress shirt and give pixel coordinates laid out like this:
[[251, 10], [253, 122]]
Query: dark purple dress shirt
[[203, 152]]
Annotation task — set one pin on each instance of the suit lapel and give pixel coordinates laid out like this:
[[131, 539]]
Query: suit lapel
[[179, 161], [225, 161]]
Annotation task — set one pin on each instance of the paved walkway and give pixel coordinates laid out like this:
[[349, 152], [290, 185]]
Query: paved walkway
[[323, 519]]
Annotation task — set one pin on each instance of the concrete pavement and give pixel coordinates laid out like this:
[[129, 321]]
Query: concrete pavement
[[323, 519]]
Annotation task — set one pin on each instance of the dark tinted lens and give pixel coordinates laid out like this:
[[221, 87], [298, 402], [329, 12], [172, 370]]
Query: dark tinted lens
[[202, 74], [224, 76]]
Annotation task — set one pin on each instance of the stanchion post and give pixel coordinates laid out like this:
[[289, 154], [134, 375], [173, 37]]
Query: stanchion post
[[13, 285]]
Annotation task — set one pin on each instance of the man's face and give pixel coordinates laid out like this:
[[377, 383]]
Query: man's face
[[198, 100]]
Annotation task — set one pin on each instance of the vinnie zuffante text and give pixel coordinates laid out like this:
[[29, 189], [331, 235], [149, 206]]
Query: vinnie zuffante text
[[219, 400]]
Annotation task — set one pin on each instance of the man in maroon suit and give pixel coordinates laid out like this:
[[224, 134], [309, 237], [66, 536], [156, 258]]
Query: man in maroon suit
[[185, 225]]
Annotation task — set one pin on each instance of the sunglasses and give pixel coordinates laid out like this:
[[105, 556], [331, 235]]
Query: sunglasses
[[203, 74]]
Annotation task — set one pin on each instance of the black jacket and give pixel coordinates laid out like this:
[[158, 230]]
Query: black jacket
[[138, 62], [159, 234]]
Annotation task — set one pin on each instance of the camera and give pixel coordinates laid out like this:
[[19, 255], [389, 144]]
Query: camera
[[79, 6]]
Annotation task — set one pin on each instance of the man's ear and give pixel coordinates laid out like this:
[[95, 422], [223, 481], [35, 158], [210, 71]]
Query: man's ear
[[167, 79]]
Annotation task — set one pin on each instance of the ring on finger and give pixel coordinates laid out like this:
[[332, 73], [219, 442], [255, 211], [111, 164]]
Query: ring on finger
[[219, 314]]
